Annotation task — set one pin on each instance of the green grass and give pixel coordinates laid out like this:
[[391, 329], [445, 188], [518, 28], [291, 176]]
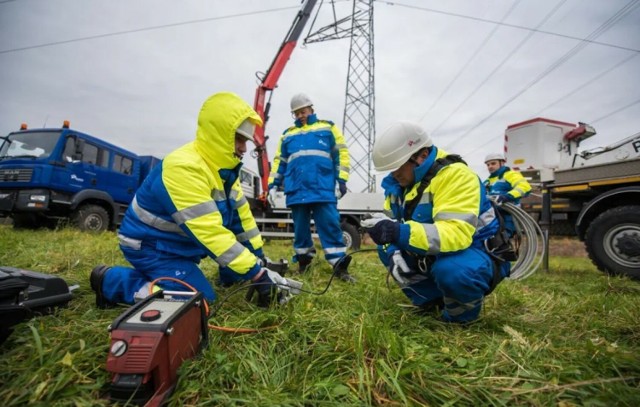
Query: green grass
[[567, 337]]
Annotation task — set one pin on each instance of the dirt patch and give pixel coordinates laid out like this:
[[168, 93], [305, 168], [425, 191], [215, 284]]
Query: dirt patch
[[566, 247]]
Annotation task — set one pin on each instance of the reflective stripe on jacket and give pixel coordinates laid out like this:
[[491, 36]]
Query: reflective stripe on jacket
[[453, 212], [310, 159], [192, 204], [506, 181]]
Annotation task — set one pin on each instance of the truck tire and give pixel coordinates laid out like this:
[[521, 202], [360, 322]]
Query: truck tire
[[613, 241], [350, 236], [91, 218]]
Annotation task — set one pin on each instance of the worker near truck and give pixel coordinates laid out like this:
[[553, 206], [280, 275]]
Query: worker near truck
[[312, 165], [436, 221], [505, 185], [189, 207]]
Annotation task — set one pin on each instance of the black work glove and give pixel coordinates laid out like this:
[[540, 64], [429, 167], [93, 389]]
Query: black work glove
[[267, 288], [341, 190], [385, 231], [502, 198]]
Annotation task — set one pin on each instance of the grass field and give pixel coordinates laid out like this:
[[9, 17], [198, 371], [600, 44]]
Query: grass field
[[567, 337]]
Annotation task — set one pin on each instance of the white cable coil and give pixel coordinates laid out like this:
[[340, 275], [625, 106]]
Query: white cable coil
[[532, 246]]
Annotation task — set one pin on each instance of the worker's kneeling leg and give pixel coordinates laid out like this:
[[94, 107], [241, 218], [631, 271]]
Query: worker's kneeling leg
[[120, 284], [159, 264], [463, 278], [182, 270]]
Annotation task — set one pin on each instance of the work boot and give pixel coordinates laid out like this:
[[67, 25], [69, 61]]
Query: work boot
[[340, 270], [303, 263], [96, 278]]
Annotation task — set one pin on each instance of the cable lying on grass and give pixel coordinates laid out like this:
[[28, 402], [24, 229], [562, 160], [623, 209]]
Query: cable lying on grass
[[294, 288]]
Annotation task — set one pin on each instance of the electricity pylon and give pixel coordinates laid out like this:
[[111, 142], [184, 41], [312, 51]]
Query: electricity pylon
[[358, 125]]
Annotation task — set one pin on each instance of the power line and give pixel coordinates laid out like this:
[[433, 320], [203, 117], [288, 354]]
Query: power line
[[137, 30], [520, 27], [586, 83], [615, 111], [590, 121], [497, 68], [466, 64], [555, 65]]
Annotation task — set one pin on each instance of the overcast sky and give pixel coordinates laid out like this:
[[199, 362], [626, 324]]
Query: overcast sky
[[135, 72]]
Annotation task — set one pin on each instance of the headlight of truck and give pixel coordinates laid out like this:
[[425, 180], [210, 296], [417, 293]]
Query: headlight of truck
[[38, 198]]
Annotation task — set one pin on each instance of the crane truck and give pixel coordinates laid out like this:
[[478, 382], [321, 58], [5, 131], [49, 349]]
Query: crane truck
[[596, 191], [276, 222]]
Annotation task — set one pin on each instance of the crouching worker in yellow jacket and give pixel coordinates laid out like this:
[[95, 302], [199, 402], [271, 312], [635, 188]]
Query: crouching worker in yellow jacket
[[189, 207], [438, 220]]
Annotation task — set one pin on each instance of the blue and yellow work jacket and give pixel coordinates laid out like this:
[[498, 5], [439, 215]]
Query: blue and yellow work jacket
[[452, 214], [310, 159], [505, 181], [192, 204]]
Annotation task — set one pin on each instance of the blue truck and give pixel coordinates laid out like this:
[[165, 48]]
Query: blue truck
[[53, 174]]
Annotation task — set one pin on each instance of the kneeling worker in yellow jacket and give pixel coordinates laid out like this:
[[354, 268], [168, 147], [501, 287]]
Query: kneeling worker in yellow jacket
[[189, 207]]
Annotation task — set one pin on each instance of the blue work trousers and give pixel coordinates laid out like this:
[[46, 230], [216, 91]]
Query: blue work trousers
[[461, 279], [121, 284], [327, 222]]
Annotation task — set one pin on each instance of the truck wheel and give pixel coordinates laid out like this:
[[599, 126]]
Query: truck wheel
[[350, 236], [91, 218], [613, 241]]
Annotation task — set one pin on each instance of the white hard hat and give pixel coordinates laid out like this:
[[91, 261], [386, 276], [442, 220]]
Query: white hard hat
[[299, 101], [494, 156], [397, 144], [246, 129]]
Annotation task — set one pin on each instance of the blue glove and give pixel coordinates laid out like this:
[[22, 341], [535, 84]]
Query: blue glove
[[341, 190], [502, 198], [384, 231]]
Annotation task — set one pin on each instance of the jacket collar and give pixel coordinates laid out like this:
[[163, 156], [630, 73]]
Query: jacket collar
[[311, 119], [500, 171], [421, 170]]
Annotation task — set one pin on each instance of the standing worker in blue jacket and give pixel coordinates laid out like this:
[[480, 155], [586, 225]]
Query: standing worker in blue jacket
[[312, 164], [438, 218], [505, 184], [189, 207]]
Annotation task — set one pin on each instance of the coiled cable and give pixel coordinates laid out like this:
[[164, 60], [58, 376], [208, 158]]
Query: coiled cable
[[529, 240]]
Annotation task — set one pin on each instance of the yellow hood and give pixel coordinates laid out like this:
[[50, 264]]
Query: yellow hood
[[218, 120]]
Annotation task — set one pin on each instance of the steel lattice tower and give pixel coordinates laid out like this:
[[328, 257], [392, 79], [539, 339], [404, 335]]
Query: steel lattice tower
[[358, 123]]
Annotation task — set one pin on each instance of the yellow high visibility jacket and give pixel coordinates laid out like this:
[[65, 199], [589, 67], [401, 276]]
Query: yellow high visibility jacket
[[192, 204], [507, 181], [452, 214]]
